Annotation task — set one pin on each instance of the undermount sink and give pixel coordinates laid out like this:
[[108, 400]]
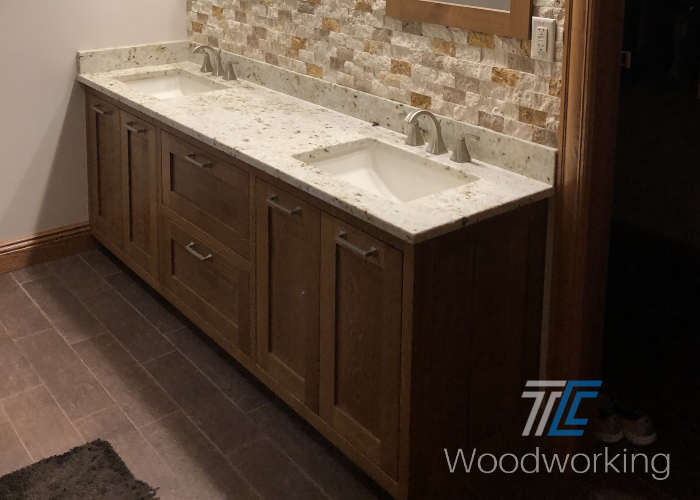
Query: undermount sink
[[173, 85], [387, 171]]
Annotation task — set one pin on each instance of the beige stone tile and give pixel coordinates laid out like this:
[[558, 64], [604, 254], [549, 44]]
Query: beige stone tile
[[60, 369], [226, 373], [125, 380], [72, 320], [18, 313], [136, 334], [201, 469], [16, 375], [13, 456], [40, 424], [223, 422], [78, 277], [113, 426]]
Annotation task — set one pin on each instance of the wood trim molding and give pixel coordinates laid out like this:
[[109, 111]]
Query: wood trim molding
[[584, 188], [45, 246], [514, 23]]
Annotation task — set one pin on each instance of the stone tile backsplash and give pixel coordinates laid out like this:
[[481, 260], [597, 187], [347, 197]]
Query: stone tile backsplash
[[477, 78]]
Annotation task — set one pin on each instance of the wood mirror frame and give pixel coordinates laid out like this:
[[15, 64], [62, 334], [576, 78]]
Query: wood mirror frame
[[514, 23]]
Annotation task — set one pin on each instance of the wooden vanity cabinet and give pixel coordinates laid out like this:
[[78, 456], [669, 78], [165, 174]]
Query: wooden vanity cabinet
[[393, 351], [105, 171]]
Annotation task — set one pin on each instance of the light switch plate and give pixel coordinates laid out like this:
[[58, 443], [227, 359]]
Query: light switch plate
[[544, 36]]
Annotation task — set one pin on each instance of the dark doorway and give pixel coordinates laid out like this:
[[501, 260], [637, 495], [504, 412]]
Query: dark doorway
[[651, 348]]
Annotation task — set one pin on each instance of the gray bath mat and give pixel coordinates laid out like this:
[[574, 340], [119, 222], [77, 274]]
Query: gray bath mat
[[93, 471]]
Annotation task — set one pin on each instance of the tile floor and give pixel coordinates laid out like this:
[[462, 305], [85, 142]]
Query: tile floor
[[88, 350]]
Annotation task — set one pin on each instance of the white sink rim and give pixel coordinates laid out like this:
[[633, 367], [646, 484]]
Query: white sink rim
[[171, 84], [415, 178]]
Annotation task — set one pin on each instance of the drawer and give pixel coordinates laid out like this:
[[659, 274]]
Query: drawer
[[211, 285], [208, 192]]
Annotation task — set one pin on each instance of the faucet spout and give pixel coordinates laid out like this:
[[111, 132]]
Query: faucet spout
[[436, 144], [218, 68]]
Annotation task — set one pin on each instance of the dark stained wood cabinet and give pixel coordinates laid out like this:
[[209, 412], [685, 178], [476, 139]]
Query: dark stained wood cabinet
[[104, 170], [139, 166], [361, 303], [393, 351], [288, 278]]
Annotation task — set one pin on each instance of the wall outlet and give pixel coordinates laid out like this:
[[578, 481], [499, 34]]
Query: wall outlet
[[544, 36]]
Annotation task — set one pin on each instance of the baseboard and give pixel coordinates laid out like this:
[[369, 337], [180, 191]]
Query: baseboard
[[45, 246]]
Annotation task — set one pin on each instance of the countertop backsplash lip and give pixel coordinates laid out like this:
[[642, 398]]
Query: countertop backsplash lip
[[511, 153], [235, 119]]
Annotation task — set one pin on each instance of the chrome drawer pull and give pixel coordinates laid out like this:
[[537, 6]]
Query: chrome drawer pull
[[272, 201], [201, 257], [136, 130], [190, 158], [342, 240], [100, 111]]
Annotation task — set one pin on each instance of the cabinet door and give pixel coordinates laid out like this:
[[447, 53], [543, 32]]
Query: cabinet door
[[288, 281], [361, 297], [140, 187], [104, 170]]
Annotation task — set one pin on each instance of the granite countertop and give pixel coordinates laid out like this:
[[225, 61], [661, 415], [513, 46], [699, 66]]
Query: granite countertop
[[266, 129]]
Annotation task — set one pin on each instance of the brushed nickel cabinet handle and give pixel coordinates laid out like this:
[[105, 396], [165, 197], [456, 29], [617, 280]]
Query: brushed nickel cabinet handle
[[136, 130], [342, 240], [272, 201], [190, 249], [101, 111], [190, 158]]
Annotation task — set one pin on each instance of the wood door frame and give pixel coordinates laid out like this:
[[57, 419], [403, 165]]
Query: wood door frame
[[593, 40]]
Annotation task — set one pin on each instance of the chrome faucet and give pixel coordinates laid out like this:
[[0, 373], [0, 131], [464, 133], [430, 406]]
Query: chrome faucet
[[436, 145], [218, 68]]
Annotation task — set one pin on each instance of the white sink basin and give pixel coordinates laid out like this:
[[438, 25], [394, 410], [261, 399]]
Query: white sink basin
[[172, 86], [387, 171]]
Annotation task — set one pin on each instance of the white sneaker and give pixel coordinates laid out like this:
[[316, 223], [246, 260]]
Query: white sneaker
[[609, 430], [640, 432]]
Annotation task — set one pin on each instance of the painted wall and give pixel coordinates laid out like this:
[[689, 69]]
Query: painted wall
[[43, 171]]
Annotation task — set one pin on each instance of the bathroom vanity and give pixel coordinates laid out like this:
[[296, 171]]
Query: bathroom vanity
[[396, 327]]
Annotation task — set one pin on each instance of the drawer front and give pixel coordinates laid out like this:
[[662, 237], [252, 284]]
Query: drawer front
[[208, 192], [211, 285]]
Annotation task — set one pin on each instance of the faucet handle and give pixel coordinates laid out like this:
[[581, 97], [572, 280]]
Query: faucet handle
[[206, 65], [230, 74], [414, 137], [461, 153]]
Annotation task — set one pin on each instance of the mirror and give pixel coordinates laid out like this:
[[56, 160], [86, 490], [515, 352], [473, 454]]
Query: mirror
[[499, 17]]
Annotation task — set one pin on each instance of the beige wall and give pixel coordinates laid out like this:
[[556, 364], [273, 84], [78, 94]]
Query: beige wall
[[474, 77], [43, 177]]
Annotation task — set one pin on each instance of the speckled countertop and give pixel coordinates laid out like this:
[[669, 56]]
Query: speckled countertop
[[266, 129]]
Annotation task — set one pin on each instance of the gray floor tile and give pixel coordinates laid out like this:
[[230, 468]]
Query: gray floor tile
[[3, 415], [13, 456], [18, 313], [125, 380], [145, 300], [65, 375], [31, 273], [80, 279], [203, 471], [226, 373], [131, 329], [70, 317], [272, 473], [113, 426], [40, 424], [16, 375], [225, 424], [102, 262], [331, 470]]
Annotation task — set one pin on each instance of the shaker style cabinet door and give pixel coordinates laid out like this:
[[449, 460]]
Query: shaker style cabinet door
[[139, 159], [104, 170], [288, 281], [361, 298]]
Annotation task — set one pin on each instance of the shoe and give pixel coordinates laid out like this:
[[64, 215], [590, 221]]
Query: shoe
[[609, 429], [640, 431]]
